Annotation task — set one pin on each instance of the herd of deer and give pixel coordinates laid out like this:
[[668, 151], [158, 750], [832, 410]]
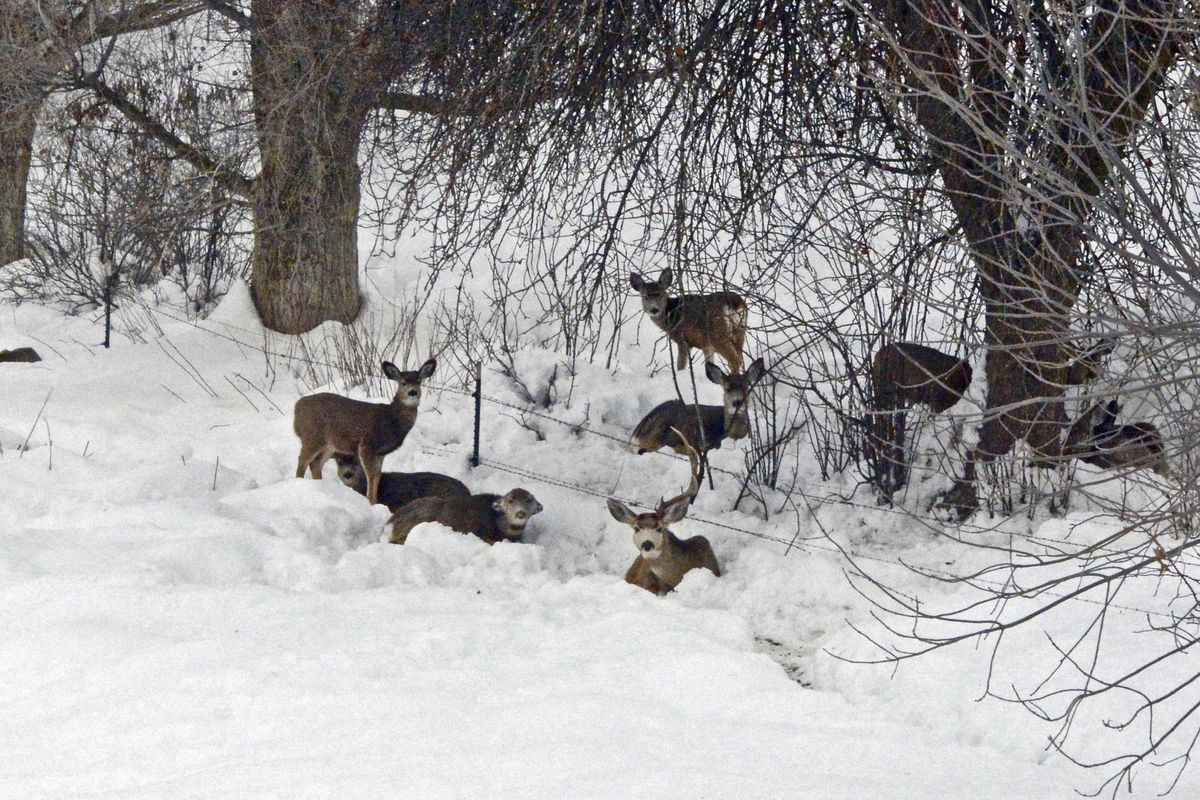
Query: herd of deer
[[359, 434]]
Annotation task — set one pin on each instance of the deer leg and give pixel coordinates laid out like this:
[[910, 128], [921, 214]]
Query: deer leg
[[372, 467], [318, 461], [681, 359], [307, 456]]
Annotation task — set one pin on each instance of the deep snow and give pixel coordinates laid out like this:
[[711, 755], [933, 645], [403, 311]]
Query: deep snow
[[183, 618]]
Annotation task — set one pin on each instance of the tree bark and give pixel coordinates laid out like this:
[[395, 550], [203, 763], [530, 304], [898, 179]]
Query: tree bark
[[310, 119], [18, 122]]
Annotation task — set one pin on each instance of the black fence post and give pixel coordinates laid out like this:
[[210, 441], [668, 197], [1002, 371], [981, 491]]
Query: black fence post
[[478, 404]]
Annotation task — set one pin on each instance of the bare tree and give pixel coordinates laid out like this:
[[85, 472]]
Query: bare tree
[[37, 43]]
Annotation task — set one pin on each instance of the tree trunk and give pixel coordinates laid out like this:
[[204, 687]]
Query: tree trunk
[[310, 120], [18, 121], [1030, 279]]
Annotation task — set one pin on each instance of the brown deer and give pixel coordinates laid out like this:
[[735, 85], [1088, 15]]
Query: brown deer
[[398, 488], [489, 516], [25, 355], [329, 423], [1096, 439], [663, 558], [905, 374], [714, 323], [706, 425]]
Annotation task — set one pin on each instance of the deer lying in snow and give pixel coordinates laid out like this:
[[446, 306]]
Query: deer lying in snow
[[1096, 439], [24, 355], [711, 322], [329, 423], [490, 517], [398, 488], [663, 558], [675, 424]]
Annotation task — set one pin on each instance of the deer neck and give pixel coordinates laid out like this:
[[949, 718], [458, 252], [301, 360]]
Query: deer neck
[[403, 412], [507, 530], [666, 566], [737, 426], [672, 313]]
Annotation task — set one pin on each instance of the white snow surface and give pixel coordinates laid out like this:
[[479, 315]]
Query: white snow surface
[[183, 618]]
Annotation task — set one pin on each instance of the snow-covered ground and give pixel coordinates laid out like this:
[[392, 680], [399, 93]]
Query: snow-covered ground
[[181, 617]]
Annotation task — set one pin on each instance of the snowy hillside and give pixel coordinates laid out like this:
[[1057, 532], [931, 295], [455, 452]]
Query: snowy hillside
[[184, 618]]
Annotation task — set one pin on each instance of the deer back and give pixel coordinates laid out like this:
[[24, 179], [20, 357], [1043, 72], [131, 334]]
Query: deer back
[[703, 425], [907, 373], [471, 514], [344, 423], [399, 488]]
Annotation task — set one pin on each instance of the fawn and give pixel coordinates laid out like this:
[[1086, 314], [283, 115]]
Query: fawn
[[329, 423], [663, 558], [675, 424], [711, 322], [398, 488], [490, 517]]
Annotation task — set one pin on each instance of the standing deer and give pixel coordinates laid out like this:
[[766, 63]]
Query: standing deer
[[398, 488], [490, 517], [714, 323], [663, 558], [904, 374], [675, 424], [1096, 439], [329, 423]]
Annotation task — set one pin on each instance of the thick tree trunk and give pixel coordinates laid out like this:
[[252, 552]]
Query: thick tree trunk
[[306, 204], [1030, 279], [18, 121]]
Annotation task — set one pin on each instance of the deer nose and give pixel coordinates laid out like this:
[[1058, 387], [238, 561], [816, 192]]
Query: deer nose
[[412, 392], [647, 546]]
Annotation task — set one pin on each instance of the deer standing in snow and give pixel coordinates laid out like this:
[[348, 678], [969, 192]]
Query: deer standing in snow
[[714, 323], [328, 423]]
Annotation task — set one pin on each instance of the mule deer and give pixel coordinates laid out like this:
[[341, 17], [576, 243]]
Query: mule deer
[[329, 423], [398, 488], [663, 558], [25, 355], [904, 374], [1096, 439], [711, 322], [490, 517], [706, 425]]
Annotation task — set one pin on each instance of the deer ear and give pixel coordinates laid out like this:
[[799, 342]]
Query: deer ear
[[427, 368], [621, 513], [715, 373], [635, 280], [664, 277], [391, 371], [676, 511], [755, 370], [538, 510]]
